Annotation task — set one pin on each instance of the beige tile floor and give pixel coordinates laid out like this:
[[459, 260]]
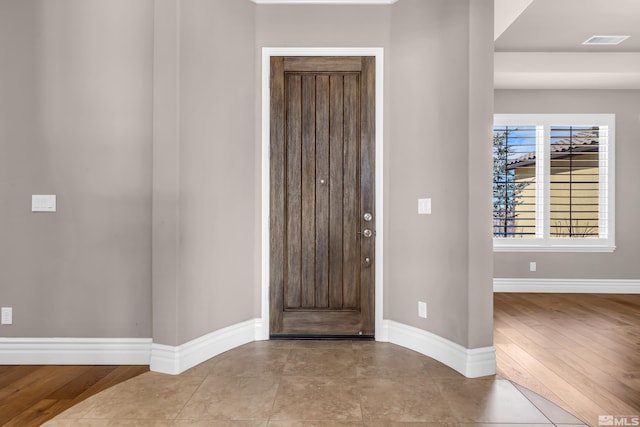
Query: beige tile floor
[[316, 384]]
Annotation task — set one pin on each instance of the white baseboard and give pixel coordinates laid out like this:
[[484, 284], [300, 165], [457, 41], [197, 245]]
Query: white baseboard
[[126, 351], [471, 363], [566, 286], [175, 360], [75, 351]]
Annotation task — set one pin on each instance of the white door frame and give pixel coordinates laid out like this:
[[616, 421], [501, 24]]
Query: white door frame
[[262, 330]]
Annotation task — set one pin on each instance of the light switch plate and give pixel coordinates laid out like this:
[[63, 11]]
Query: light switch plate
[[422, 309], [424, 206], [43, 203], [7, 316]]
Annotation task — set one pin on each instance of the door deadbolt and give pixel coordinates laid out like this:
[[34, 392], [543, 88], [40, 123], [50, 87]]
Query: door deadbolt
[[367, 217]]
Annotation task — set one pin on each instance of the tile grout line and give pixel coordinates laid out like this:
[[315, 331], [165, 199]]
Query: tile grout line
[[532, 403], [175, 418], [275, 396], [357, 379]]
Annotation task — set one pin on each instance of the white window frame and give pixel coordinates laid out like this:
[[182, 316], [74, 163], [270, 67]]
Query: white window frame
[[543, 242]]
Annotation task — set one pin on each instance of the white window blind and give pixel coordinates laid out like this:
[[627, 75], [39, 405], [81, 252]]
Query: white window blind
[[553, 182]]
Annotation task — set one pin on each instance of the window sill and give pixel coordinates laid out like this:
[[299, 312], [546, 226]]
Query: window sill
[[603, 248]]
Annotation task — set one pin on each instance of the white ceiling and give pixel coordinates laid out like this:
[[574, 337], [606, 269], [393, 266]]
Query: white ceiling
[[539, 44]]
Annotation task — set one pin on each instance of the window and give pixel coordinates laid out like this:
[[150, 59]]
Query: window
[[553, 182]]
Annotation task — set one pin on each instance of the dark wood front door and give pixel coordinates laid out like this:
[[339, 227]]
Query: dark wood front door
[[322, 217]]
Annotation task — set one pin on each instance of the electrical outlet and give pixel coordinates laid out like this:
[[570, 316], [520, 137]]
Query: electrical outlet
[[7, 316], [422, 309], [532, 266]]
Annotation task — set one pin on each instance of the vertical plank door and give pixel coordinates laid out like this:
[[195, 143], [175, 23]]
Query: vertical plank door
[[322, 244]]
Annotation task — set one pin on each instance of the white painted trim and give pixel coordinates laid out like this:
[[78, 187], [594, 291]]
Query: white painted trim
[[75, 351], [175, 360], [543, 242], [510, 247], [472, 363], [267, 53], [331, 2], [568, 286]]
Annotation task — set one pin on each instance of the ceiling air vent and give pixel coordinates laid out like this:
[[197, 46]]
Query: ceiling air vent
[[605, 40]]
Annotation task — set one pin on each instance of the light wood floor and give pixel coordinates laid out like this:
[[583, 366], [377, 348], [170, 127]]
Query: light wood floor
[[31, 395], [580, 351]]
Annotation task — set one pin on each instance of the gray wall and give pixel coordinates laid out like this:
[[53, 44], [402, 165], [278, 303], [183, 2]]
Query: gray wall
[[217, 170], [441, 258], [623, 263], [75, 121], [178, 110], [205, 201]]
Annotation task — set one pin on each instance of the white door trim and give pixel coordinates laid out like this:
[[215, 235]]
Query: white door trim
[[330, 2], [267, 53]]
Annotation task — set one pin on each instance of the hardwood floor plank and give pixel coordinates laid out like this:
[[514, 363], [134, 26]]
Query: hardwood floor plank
[[579, 404], [26, 392], [548, 341], [512, 369], [39, 413], [567, 372], [120, 374], [87, 377], [10, 374], [604, 347], [31, 395], [580, 351]]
